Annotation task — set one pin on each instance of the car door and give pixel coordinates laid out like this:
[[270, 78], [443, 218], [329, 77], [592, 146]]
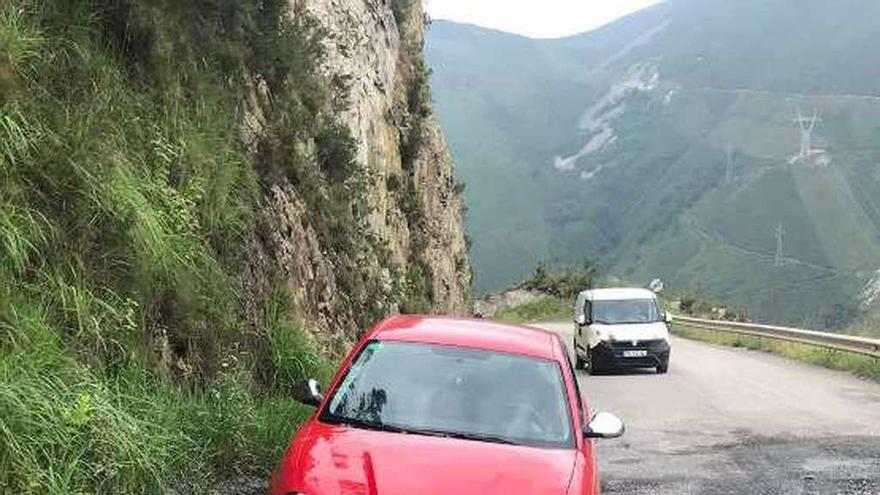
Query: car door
[[578, 314], [587, 336], [585, 479]]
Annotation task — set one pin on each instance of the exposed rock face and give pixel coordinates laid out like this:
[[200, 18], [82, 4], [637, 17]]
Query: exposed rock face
[[414, 214]]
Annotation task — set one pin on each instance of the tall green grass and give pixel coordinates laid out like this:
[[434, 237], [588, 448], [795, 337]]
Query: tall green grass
[[126, 365], [64, 429], [113, 425]]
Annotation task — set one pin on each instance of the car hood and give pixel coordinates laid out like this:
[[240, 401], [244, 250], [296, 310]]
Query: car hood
[[338, 460], [640, 331]]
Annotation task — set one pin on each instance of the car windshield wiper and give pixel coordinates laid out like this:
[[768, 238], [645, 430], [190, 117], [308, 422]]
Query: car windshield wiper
[[369, 425], [479, 437], [459, 435], [362, 424], [601, 322]]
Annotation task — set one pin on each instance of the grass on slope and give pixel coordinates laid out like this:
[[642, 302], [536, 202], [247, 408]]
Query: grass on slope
[[67, 427], [126, 365], [542, 310], [864, 366]]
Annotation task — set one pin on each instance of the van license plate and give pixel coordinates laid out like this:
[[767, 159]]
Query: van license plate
[[635, 354]]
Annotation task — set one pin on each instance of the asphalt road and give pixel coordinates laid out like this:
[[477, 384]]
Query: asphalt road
[[733, 421]]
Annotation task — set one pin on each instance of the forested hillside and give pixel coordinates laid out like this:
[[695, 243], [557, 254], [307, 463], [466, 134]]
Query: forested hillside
[[202, 203], [729, 148]]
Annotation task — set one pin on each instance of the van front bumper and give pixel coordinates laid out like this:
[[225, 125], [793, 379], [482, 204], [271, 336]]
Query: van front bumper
[[631, 353]]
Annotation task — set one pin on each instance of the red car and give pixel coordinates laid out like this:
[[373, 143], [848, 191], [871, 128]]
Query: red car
[[438, 406]]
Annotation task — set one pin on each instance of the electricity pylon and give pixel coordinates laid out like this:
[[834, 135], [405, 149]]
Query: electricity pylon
[[806, 125], [729, 173], [780, 235]]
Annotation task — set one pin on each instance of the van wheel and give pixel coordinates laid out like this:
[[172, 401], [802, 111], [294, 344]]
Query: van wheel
[[589, 363], [578, 362], [663, 368]]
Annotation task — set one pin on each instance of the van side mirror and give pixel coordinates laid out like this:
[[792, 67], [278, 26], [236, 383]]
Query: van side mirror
[[581, 319], [308, 393], [667, 317], [604, 425]]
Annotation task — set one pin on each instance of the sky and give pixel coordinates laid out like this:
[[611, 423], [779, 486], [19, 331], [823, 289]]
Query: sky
[[535, 18]]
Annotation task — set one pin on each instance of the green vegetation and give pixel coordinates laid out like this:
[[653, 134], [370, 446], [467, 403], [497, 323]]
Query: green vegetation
[[546, 309], [864, 366], [695, 306], [867, 327], [665, 201], [401, 9], [559, 287], [564, 284], [126, 362]]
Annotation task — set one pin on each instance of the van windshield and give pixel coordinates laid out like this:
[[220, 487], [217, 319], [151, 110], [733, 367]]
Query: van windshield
[[627, 311]]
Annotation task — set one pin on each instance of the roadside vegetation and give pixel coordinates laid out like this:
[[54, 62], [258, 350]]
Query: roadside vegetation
[[557, 289], [126, 362], [702, 308], [547, 308], [864, 366], [690, 305], [565, 283]]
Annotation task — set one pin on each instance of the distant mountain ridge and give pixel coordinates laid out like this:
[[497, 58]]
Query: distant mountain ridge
[[679, 142]]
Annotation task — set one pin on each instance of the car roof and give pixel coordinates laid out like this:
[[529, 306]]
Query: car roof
[[480, 334], [618, 294]]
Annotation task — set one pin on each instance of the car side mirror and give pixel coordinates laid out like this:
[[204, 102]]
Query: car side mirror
[[604, 425], [667, 317], [581, 319], [309, 393]]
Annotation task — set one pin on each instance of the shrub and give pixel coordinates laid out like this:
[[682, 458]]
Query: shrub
[[401, 9], [565, 284]]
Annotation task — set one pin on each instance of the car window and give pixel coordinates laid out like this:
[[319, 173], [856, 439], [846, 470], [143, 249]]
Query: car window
[[626, 311], [454, 391]]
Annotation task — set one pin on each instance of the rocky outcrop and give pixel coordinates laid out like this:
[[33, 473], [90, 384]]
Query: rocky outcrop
[[417, 250]]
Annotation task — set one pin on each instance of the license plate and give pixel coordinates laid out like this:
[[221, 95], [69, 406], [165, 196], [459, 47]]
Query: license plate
[[635, 354]]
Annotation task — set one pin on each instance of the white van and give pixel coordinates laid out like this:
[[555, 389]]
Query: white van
[[620, 328]]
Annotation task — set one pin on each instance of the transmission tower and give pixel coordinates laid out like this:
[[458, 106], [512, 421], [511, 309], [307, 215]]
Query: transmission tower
[[806, 125], [780, 236], [729, 173]]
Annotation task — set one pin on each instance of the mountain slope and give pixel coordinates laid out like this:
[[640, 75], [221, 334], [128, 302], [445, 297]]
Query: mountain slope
[[675, 150]]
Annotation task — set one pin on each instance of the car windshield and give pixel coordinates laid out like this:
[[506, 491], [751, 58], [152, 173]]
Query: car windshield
[[626, 311], [454, 392]]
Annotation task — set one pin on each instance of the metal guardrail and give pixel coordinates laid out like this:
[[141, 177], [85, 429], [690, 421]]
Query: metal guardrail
[[846, 343]]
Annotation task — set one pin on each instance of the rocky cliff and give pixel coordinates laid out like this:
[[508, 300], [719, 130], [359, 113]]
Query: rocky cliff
[[413, 254]]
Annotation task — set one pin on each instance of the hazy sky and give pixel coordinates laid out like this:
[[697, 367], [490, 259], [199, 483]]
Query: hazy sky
[[535, 18]]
